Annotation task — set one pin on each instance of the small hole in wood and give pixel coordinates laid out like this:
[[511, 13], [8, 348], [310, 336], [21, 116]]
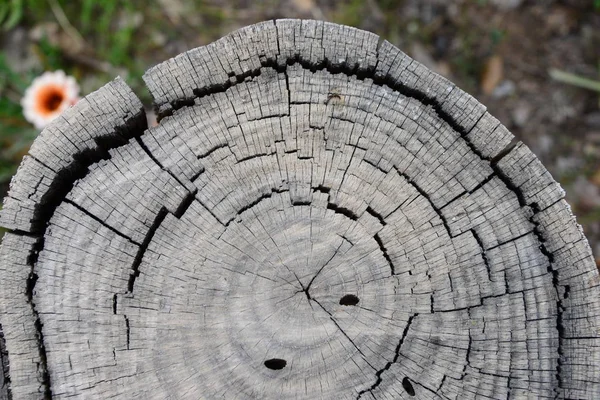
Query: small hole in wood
[[275, 363], [349, 300], [408, 386]]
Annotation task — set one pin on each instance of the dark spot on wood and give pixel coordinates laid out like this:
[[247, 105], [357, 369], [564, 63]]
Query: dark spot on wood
[[349, 300], [408, 386], [275, 363]]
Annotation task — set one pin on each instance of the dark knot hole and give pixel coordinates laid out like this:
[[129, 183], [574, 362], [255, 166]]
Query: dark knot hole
[[408, 386], [275, 363], [349, 300]]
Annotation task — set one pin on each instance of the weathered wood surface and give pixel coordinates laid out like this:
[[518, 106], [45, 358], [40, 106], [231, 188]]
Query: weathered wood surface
[[317, 216]]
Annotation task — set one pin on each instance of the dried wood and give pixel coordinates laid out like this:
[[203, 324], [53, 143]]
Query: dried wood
[[316, 216]]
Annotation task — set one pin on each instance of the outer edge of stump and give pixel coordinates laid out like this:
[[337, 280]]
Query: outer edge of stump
[[60, 155], [18, 321], [80, 136]]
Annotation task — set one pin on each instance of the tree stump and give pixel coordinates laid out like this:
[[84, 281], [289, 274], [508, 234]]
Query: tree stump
[[316, 216]]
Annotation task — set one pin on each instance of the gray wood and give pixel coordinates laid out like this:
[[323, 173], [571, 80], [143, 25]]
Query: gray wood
[[311, 197]]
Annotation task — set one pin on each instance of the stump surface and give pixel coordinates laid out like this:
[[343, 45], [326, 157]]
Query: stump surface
[[316, 216]]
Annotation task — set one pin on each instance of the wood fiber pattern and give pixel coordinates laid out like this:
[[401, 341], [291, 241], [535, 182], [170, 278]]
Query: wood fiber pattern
[[316, 216]]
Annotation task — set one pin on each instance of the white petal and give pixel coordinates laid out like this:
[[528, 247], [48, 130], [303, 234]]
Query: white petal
[[56, 78]]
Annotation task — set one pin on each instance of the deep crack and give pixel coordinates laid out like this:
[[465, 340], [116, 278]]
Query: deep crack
[[390, 363], [385, 253], [137, 261], [4, 368]]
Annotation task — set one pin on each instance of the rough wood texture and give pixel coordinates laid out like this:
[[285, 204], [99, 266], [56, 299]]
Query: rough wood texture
[[317, 216]]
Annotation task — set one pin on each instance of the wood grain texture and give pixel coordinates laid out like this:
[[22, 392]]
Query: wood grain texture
[[316, 216]]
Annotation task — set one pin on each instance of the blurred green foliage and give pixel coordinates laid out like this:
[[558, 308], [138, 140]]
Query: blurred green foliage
[[352, 13], [11, 12]]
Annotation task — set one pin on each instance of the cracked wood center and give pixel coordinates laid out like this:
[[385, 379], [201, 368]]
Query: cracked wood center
[[316, 216]]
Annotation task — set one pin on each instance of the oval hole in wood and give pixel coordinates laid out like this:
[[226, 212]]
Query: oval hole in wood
[[349, 300], [275, 363], [408, 386]]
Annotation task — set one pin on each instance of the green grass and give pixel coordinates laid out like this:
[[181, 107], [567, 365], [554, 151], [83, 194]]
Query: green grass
[[11, 12], [574, 80], [351, 13]]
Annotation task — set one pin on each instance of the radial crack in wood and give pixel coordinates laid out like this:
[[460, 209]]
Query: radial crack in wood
[[316, 216]]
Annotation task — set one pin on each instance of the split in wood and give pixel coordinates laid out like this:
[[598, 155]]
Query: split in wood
[[295, 162]]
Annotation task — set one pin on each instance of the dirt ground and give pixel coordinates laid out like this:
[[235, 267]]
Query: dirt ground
[[501, 51]]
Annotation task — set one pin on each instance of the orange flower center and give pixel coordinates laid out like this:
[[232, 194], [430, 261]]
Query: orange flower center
[[49, 99]]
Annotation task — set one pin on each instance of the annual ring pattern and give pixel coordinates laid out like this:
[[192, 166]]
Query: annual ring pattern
[[316, 215]]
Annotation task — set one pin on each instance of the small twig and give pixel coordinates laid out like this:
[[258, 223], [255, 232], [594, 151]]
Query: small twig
[[575, 80], [65, 24]]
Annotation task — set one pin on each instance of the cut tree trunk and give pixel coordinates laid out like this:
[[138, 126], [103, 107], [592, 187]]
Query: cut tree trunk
[[316, 216]]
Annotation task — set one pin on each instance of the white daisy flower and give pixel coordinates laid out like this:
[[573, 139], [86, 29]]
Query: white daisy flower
[[48, 96]]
